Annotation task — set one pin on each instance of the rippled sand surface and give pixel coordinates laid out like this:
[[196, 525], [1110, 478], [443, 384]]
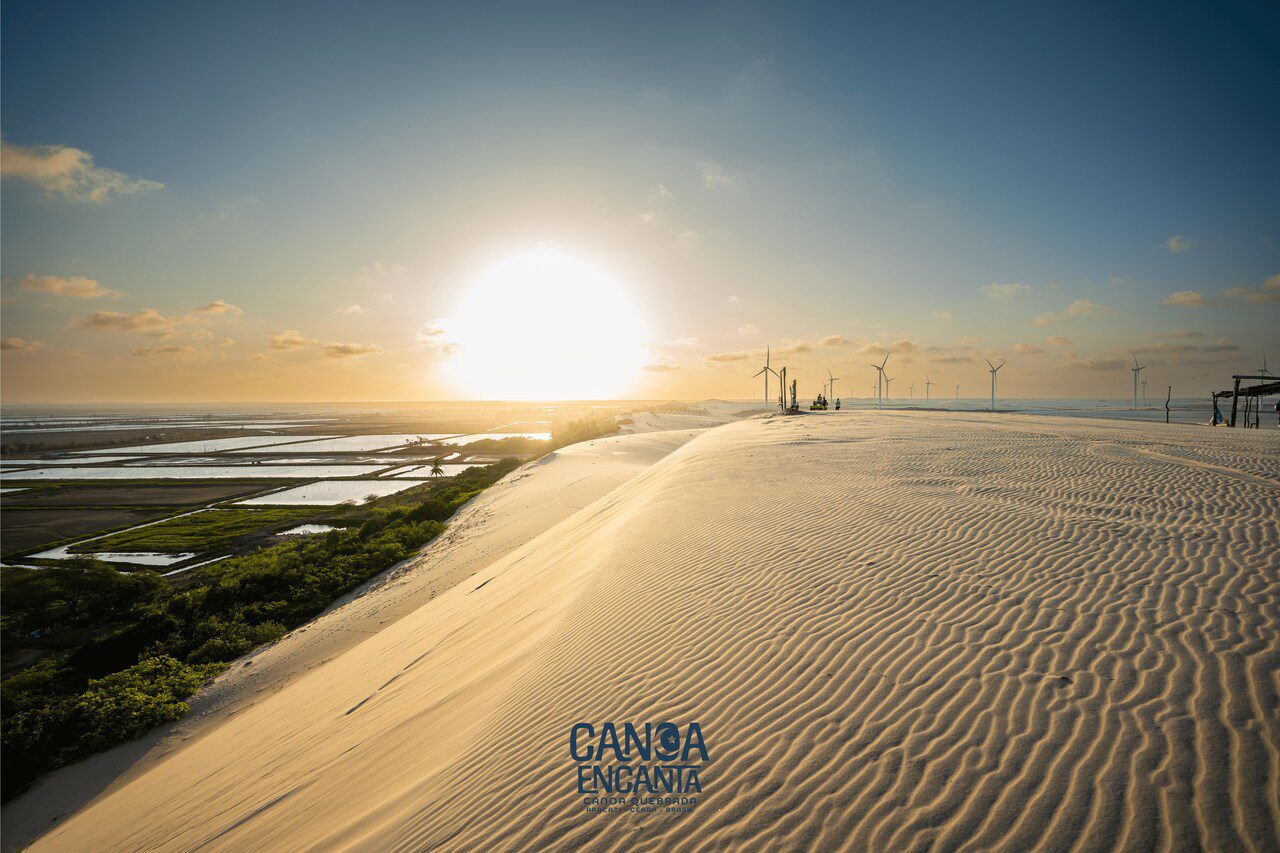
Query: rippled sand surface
[[898, 631]]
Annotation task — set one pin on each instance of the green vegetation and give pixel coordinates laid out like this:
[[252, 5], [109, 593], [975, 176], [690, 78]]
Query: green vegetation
[[95, 657], [583, 430], [106, 656], [514, 444], [200, 531]]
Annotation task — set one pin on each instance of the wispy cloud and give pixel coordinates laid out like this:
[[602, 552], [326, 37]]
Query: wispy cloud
[[1187, 298], [61, 170], [218, 306], [1268, 291], [1178, 334], [1008, 291], [1177, 243], [735, 355], [661, 367], [76, 286], [351, 309], [142, 320], [290, 339], [1028, 349], [167, 351], [834, 342], [1098, 363], [749, 329], [1058, 341], [715, 176], [349, 350], [1077, 309], [942, 314], [20, 345]]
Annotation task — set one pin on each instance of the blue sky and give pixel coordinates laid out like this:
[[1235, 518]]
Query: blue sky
[[1024, 181]]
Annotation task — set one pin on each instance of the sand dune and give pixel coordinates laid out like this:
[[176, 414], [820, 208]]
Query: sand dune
[[896, 630]]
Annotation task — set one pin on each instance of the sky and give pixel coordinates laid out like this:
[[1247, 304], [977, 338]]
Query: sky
[[408, 201]]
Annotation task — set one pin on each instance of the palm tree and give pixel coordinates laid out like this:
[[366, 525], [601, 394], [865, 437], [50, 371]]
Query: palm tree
[[437, 470]]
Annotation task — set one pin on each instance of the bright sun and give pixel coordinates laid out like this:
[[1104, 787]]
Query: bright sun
[[544, 325]]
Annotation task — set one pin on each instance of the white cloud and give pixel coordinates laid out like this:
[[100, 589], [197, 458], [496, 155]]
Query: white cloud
[[290, 339], [1058, 341], [351, 309], [20, 345], [1005, 291], [1269, 291], [1079, 308], [1191, 298], [942, 314], [167, 351], [714, 175], [142, 320], [218, 306], [341, 350], [1027, 349], [1177, 243], [60, 170], [76, 286], [749, 329]]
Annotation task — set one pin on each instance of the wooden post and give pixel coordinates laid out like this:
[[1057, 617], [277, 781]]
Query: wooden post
[[1235, 401], [1168, 397]]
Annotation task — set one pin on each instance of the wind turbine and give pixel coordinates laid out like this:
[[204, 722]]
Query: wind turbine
[[887, 380], [911, 392], [928, 383], [957, 392], [833, 384], [1263, 370], [766, 370], [1137, 368], [880, 377], [1144, 392], [994, 369]]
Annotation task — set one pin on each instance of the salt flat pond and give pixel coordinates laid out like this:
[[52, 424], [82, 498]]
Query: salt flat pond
[[196, 472], [213, 445], [360, 443], [331, 492], [308, 529]]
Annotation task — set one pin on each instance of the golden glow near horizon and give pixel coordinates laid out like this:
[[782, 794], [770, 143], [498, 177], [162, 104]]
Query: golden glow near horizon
[[545, 325]]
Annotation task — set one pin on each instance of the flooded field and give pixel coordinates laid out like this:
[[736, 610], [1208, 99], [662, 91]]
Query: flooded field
[[363, 443], [71, 474], [195, 472], [212, 445], [331, 493]]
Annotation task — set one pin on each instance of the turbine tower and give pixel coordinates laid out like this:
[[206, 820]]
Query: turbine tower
[[911, 392], [1137, 368], [928, 383], [994, 369], [880, 377], [887, 380], [833, 384], [957, 392], [1263, 370], [766, 370]]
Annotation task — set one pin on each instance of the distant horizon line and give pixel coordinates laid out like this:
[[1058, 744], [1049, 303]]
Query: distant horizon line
[[757, 401]]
